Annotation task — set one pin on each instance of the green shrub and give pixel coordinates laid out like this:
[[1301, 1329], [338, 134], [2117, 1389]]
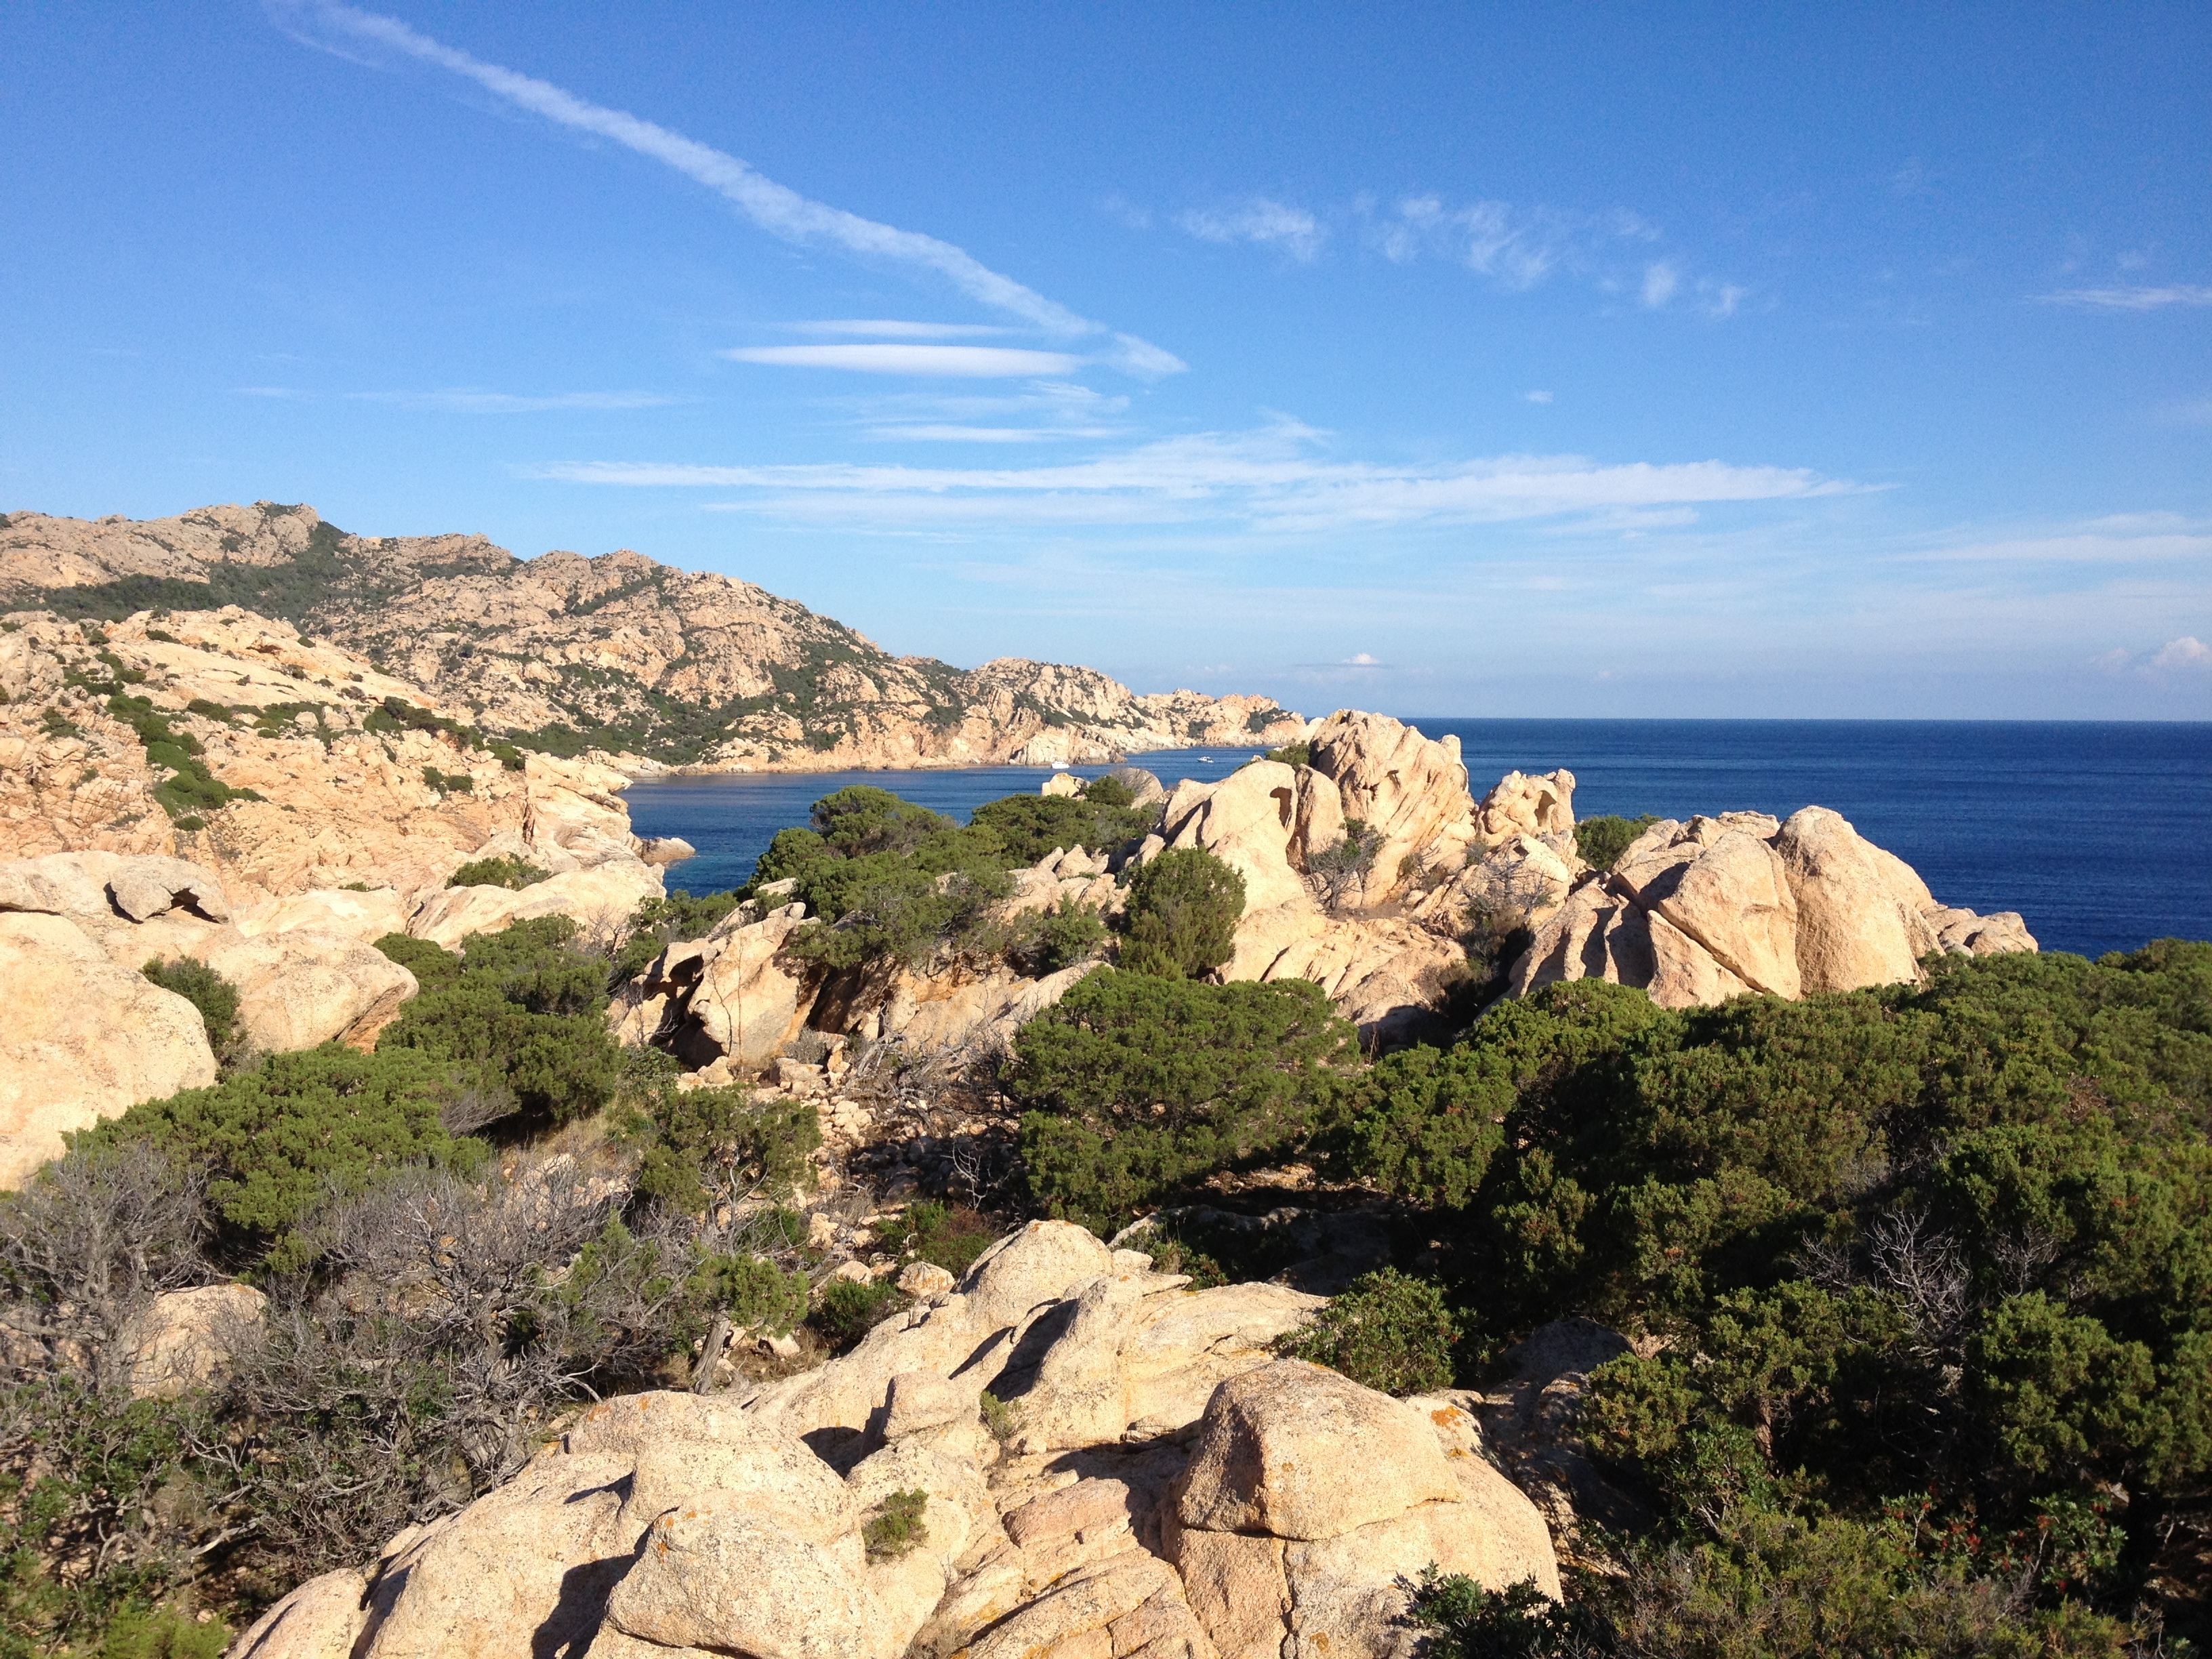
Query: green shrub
[[511, 873], [1112, 792], [1292, 754], [658, 923], [1518, 1622], [754, 1293], [1135, 1086], [896, 1527], [1046, 941], [215, 997], [280, 1136], [1601, 840], [849, 1309], [950, 1235], [712, 1146], [1388, 1331], [999, 1418], [1182, 916], [519, 1019], [1030, 826]]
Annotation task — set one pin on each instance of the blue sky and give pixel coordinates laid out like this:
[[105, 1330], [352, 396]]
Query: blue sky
[[1669, 360]]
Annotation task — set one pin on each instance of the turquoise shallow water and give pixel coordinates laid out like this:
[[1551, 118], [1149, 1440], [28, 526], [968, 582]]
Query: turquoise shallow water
[[2099, 834]]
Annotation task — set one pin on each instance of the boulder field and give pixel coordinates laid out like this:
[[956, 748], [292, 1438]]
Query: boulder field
[[1157, 1485]]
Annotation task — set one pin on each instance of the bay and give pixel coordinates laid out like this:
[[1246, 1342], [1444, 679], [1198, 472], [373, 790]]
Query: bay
[[2099, 834]]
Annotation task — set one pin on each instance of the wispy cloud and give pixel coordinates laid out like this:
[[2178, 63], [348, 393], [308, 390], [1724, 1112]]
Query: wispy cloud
[[2130, 538], [2127, 298], [1518, 248], [775, 208], [960, 361], [1271, 479], [888, 328], [1263, 222], [2188, 652], [948, 433], [1536, 396], [1661, 279]]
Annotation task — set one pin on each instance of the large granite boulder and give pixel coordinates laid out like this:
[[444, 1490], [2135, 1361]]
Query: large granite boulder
[[601, 897], [1410, 790], [81, 1039]]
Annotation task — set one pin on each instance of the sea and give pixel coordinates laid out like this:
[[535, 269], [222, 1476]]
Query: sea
[[2098, 834]]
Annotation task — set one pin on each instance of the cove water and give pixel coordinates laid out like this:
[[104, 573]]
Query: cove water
[[2099, 834]]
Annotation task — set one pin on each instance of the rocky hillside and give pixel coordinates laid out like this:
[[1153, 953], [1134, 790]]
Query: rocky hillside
[[568, 655]]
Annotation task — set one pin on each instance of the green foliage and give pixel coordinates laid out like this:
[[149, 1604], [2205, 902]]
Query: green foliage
[[1111, 792], [1981, 1206], [1030, 826], [1602, 840], [1518, 1622], [519, 1020], [1388, 1331], [511, 873], [190, 788], [448, 782], [704, 1146], [658, 923], [754, 1293], [950, 1235], [999, 1418], [1182, 915], [848, 1310], [895, 1528], [1260, 718], [1292, 754], [1046, 941], [1136, 1086], [215, 997], [277, 1137]]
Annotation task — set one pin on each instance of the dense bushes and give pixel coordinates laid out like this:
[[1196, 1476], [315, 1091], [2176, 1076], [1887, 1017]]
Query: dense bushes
[[658, 923], [1136, 1085], [717, 1147], [1030, 826], [1388, 1331], [1953, 1240], [511, 873], [1183, 913], [215, 997], [519, 1017], [1601, 840]]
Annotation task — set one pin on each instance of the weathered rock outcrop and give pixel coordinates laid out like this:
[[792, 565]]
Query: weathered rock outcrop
[[81, 1039], [1172, 1491], [1719, 907], [180, 1340], [600, 645]]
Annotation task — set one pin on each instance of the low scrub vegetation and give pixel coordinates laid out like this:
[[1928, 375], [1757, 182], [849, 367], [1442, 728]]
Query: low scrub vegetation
[[1602, 841]]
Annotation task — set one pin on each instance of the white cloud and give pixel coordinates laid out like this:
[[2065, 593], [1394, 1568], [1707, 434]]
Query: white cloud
[[1269, 479], [2186, 652], [1362, 660], [1661, 279], [775, 208], [1269, 224], [966, 363], [1536, 396], [892, 329], [947, 433], [2127, 298], [2116, 539]]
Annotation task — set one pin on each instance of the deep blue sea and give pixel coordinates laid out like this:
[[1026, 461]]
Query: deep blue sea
[[2099, 834]]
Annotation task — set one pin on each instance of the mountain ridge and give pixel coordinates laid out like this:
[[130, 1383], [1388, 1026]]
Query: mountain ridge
[[616, 653]]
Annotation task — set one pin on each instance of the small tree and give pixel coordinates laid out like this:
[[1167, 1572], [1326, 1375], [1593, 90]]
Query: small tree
[[1389, 1331], [216, 999], [1183, 913]]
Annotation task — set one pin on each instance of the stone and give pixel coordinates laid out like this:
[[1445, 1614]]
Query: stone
[[1854, 928], [601, 898], [521, 1572], [320, 1620], [1091, 1598], [182, 1339], [81, 1040], [923, 1279], [1729, 891], [365, 917], [665, 849], [1296, 1451], [1235, 1585], [1080, 1508], [1245, 820], [1063, 785], [1538, 807], [143, 888], [714, 1573], [1410, 790], [730, 996], [922, 1400], [300, 988]]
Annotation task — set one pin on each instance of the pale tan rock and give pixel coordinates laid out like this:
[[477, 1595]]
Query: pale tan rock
[[714, 1574], [918, 1400], [1854, 928], [957, 1517], [731, 996], [1995, 934], [1536, 806], [1409, 789], [1296, 1451], [1319, 824], [973, 1013], [1093, 1598], [300, 988], [1062, 784], [81, 1039], [923, 1279], [518, 1573], [601, 899], [143, 888], [183, 1338], [321, 1619], [1080, 1508], [1235, 1585], [365, 917], [1245, 821]]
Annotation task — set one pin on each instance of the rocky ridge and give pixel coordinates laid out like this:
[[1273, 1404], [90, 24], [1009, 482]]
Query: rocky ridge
[[616, 653]]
